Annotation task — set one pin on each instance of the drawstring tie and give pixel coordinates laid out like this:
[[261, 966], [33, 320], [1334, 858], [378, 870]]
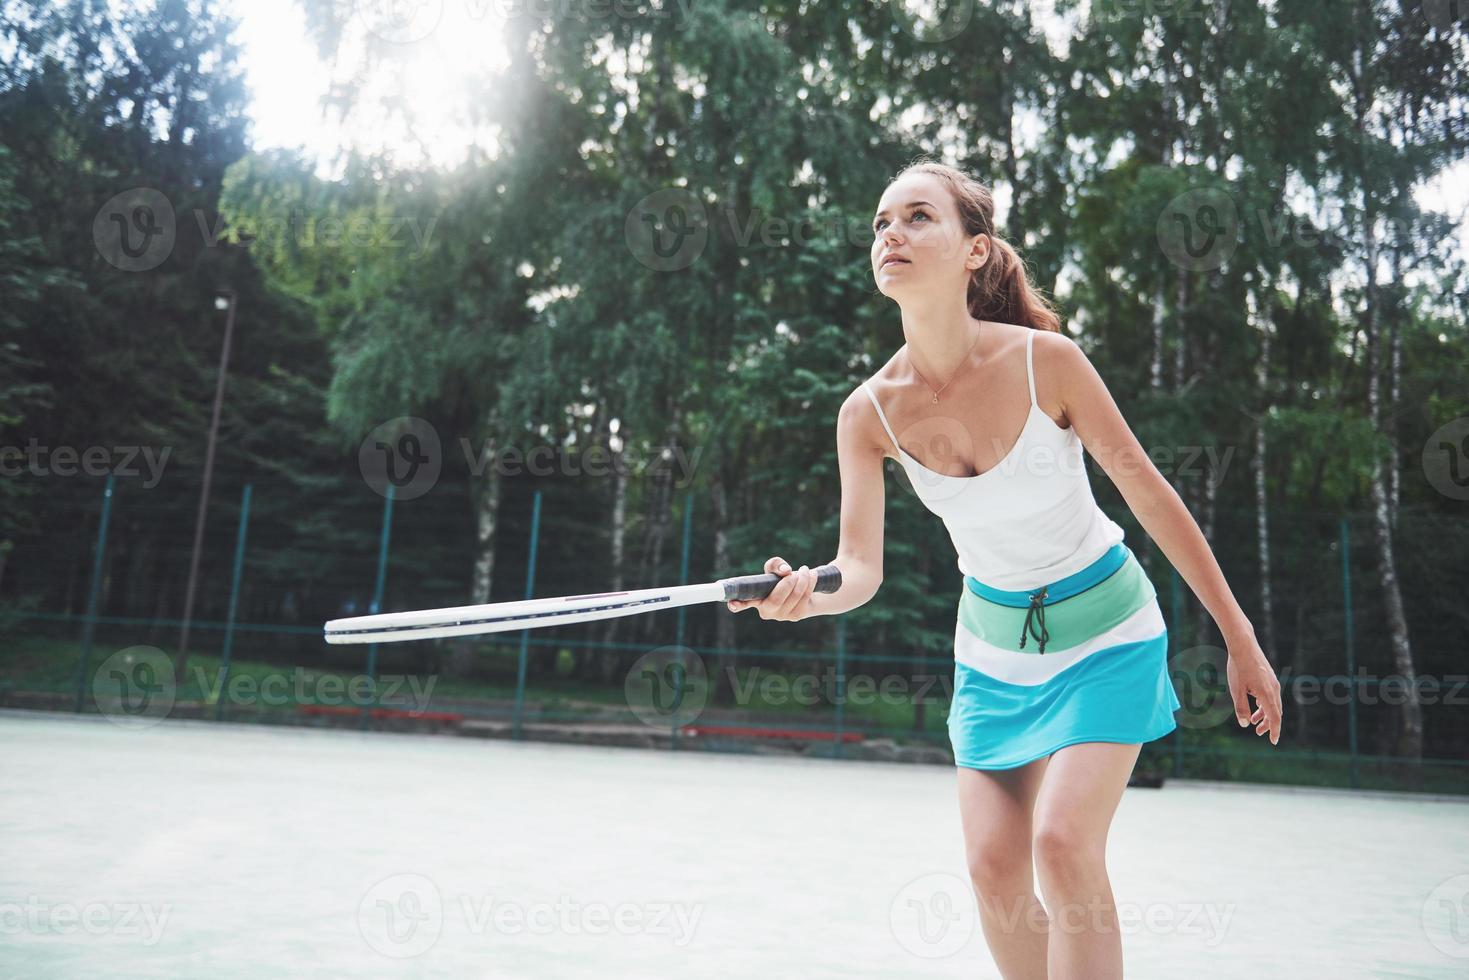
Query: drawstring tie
[[1038, 611]]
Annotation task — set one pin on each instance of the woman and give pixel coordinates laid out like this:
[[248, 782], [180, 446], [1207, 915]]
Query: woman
[[1060, 646]]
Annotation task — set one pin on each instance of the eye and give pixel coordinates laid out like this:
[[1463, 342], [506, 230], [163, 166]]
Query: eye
[[877, 225]]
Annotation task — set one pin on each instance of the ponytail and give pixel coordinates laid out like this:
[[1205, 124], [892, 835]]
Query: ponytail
[[1000, 289]]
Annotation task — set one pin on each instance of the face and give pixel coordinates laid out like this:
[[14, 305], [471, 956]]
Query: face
[[917, 226]]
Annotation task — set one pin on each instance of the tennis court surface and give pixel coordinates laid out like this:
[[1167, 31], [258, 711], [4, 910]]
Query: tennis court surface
[[197, 849]]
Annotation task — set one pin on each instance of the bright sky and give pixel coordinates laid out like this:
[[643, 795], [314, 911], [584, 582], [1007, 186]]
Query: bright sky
[[433, 63]]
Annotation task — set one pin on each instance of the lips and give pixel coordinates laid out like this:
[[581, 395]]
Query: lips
[[890, 260]]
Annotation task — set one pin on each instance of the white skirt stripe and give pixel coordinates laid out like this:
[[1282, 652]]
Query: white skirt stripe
[[1037, 668]]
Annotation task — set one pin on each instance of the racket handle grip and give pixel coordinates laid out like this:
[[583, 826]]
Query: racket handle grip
[[743, 587]]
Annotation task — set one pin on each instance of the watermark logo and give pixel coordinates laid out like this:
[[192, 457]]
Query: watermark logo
[[132, 920], [1446, 459], [135, 230], [122, 461], [1199, 230], [1442, 15], [1117, 10], [400, 21], [401, 916], [1201, 680], [934, 915], [1445, 917], [134, 688], [402, 453], [400, 692], [668, 686], [667, 230], [932, 21]]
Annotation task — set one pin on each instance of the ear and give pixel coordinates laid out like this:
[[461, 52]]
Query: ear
[[980, 251]]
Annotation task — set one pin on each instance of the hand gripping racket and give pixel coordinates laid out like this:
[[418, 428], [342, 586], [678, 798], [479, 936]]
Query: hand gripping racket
[[499, 617]]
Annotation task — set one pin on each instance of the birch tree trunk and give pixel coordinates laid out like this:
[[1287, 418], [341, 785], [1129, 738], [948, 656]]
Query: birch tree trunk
[[1409, 735], [1259, 466]]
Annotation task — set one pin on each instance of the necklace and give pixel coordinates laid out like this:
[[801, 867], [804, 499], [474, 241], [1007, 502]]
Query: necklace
[[955, 374]]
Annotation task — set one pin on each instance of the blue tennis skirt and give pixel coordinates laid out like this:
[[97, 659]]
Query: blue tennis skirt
[[1081, 659]]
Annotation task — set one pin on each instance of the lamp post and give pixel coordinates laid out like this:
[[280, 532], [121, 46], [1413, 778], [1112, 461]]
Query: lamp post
[[223, 300]]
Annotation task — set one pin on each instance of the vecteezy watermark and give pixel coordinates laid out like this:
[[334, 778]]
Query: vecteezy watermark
[[134, 688], [139, 920], [1442, 15], [407, 454], [404, 915], [306, 231], [1366, 687], [135, 230], [1098, 915], [39, 460], [400, 21], [761, 688], [934, 915], [401, 916], [932, 21], [1201, 680], [667, 687], [138, 229], [1104, 11], [410, 21], [1445, 917], [1199, 230], [667, 230], [406, 692], [1446, 459], [402, 453], [676, 11]]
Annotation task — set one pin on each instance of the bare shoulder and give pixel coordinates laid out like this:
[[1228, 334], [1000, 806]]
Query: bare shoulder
[[1057, 361], [857, 422]]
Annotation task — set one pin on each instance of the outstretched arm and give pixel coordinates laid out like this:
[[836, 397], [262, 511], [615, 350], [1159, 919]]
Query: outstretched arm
[[1163, 515]]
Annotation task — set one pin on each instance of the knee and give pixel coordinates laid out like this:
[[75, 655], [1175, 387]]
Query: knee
[[1064, 851], [999, 866]]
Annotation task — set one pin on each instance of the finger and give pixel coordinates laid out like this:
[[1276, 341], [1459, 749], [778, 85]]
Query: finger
[[777, 565], [808, 584], [792, 595], [1241, 704]]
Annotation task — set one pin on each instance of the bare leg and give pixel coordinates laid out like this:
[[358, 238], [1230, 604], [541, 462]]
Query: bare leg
[[1082, 787], [995, 807]]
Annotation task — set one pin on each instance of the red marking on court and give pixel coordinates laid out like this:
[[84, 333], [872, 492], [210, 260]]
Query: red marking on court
[[768, 733], [336, 709]]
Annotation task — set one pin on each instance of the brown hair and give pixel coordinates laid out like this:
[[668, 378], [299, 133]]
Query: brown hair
[[1000, 289]]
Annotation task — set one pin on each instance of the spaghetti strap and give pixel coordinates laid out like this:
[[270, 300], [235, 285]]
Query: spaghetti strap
[[883, 418], [1029, 368]]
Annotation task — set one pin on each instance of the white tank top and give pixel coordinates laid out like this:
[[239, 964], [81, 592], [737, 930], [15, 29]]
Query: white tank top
[[1028, 520]]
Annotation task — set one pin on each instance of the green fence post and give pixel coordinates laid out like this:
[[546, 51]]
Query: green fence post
[[229, 623], [1346, 589], [1175, 612], [841, 685], [683, 579], [90, 624], [377, 600], [683, 564], [530, 591]]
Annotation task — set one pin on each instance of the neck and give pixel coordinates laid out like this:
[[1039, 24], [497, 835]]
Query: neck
[[939, 338]]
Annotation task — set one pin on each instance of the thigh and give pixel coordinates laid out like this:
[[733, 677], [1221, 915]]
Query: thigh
[[995, 807], [1078, 796]]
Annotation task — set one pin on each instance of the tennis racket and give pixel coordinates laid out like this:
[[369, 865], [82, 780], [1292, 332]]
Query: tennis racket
[[499, 617]]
